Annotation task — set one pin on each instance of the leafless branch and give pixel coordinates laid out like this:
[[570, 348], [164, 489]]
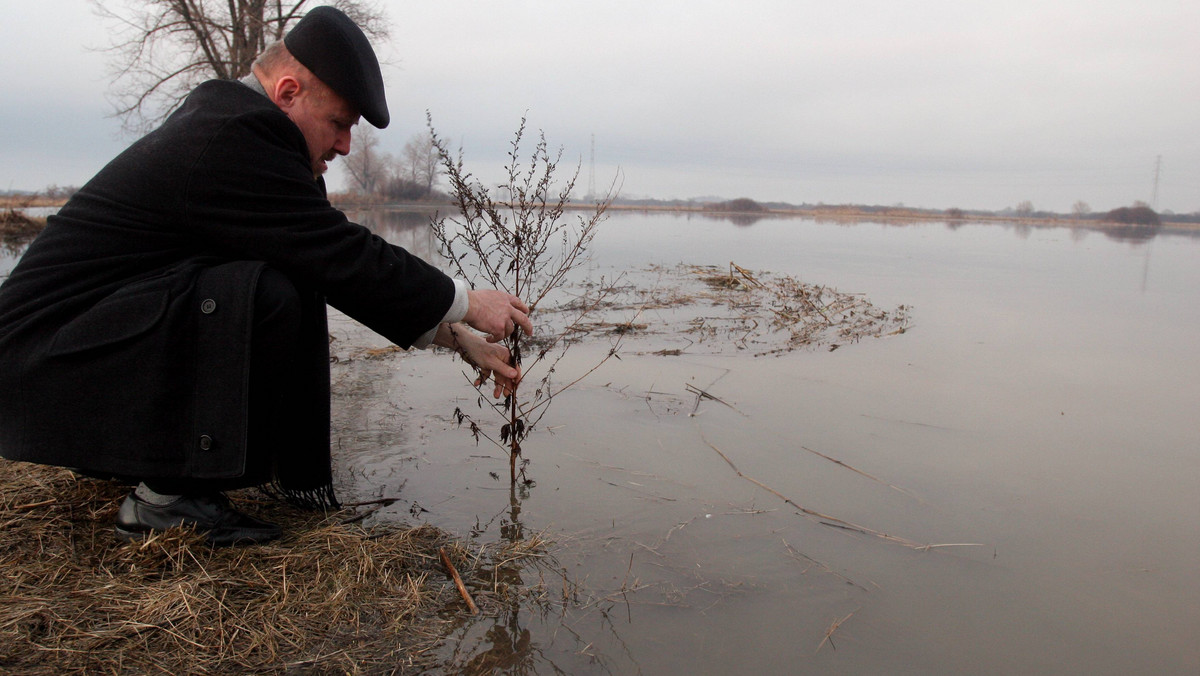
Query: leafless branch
[[161, 49], [519, 241]]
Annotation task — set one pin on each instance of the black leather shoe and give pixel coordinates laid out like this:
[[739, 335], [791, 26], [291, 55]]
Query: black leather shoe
[[210, 515]]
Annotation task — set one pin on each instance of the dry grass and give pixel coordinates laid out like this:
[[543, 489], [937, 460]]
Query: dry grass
[[329, 597], [17, 229]]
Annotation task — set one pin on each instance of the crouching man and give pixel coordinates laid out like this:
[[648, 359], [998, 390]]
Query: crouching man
[[168, 328]]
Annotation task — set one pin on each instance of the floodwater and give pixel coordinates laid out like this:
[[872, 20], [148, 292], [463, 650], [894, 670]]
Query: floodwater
[[1041, 415]]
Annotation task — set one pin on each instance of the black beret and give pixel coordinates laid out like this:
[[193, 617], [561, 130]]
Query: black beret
[[334, 48]]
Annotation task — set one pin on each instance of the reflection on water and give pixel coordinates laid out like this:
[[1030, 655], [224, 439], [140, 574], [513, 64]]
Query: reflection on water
[[498, 641], [1042, 406], [1023, 229], [1131, 233], [408, 229], [742, 220], [8, 260]]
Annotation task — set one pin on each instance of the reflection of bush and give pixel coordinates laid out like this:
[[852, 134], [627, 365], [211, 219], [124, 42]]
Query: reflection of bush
[[407, 229], [738, 219], [743, 220], [1131, 233]]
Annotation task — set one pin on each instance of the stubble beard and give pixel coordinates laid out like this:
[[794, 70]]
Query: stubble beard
[[323, 165]]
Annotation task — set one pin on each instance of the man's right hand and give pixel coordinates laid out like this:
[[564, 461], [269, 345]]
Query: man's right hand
[[497, 314]]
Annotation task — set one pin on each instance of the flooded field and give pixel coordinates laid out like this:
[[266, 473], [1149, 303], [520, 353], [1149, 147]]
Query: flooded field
[[1010, 486]]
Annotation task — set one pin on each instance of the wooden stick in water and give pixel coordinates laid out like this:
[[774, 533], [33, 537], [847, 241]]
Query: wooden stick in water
[[462, 589]]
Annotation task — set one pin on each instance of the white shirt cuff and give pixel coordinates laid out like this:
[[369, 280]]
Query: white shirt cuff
[[456, 313]]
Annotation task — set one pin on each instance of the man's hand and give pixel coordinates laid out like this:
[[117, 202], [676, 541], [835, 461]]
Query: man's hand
[[497, 314], [489, 359]]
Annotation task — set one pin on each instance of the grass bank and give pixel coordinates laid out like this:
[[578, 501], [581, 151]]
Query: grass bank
[[17, 229], [330, 597]]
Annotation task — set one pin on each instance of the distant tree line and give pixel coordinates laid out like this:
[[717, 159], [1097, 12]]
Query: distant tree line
[[1138, 213], [52, 195], [377, 175]]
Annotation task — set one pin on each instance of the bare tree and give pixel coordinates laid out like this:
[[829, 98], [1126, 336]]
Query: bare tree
[[367, 166], [1081, 209], [161, 49], [421, 161], [1025, 209]]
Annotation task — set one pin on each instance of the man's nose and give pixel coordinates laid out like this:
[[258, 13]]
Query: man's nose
[[342, 145]]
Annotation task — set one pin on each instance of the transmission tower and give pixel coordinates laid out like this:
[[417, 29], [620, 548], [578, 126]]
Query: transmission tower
[[591, 193], [1157, 170]]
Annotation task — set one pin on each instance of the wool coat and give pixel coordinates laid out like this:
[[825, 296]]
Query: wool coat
[[124, 328]]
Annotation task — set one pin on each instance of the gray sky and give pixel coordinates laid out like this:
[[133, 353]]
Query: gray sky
[[935, 104]]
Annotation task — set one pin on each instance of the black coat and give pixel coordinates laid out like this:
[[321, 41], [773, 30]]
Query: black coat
[[108, 361]]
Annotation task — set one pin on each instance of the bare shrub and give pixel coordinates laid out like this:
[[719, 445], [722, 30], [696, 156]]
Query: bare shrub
[[521, 242], [1135, 215]]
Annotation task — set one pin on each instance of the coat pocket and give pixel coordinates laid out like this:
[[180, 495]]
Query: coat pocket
[[125, 314]]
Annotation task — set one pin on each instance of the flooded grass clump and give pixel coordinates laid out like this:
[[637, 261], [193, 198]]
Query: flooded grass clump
[[331, 596], [718, 310]]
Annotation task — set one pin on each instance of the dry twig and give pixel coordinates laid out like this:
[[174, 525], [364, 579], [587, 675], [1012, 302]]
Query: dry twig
[[829, 632]]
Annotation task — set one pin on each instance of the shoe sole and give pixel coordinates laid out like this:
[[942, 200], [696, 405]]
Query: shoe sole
[[131, 535], [140, 535]]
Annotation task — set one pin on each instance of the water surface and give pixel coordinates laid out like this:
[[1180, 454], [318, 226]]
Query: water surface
[[1043, 408]]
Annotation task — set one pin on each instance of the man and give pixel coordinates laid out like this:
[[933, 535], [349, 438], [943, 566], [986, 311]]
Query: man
[[167, 328]]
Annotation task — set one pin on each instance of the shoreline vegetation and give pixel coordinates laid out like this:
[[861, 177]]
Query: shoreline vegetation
[[1137, 221], [747, 211]]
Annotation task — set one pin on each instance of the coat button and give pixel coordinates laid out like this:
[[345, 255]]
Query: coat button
[[206, 442], [208, 306]]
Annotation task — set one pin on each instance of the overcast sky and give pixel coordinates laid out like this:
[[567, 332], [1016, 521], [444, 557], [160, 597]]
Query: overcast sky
[[934, 104]]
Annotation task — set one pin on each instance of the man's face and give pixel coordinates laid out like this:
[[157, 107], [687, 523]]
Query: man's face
[[326, 120]]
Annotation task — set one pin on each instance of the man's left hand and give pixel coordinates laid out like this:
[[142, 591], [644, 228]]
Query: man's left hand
[[491, 360]]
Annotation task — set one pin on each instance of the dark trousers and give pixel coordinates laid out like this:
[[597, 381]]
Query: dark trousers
[[275, 389]]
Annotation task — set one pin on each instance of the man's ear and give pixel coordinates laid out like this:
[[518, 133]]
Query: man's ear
[[287, 91]]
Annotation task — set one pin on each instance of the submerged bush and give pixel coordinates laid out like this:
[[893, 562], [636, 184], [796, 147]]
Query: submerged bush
[[741, 204], [1135, 215]]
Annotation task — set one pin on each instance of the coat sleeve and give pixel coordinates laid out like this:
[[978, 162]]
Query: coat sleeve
[[251, 195]]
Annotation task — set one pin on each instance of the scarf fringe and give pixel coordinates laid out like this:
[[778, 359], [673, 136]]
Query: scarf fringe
[[319, 498]]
